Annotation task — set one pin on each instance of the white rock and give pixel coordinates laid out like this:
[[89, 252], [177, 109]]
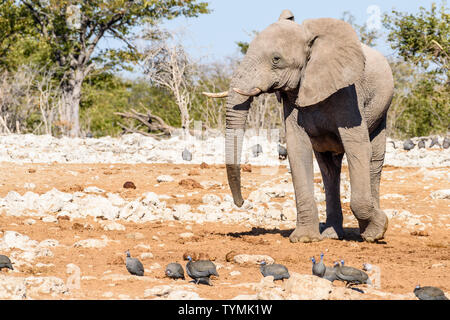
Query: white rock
[[186, 235], [164, 178], [183, 295], [108, 294], [90, 243], [158, 291], [49, 243], [155, 266], [30, 222], [245, 297], [307, 287], [113, 226], [13, 288], [116, 200], [259, 196], [13, 239], [211, 199], [146, 255], [49, 219], [393, 196], [93, 189], [29, 185], [273, 214], [180, 210], [441, 194], [252, 259], [47, 285]]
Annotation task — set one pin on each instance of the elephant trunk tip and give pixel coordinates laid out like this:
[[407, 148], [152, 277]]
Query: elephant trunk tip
[[239, 202]]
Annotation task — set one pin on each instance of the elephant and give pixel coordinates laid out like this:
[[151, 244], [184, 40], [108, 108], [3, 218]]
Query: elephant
[[335, 92]]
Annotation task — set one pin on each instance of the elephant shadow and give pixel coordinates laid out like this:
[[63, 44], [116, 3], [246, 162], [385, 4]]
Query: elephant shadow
[[350, 234]]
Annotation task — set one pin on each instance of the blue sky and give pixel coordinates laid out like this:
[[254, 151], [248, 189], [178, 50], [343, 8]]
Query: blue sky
[[213, 37]]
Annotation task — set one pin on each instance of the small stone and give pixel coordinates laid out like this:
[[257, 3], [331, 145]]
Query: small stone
[[30, 222], [164, 178], [93, 189], [113, 226], [135, 236], [235, 273], [198, 256], [193, 172], [230, 256], [252, 259], [186, 235], [246, 167], [420, 233], [129, 185], [108, 294], [146, 255], [204, 165], [441, 194], [49, 219], [90, 243], [211, 199], [190, 184]]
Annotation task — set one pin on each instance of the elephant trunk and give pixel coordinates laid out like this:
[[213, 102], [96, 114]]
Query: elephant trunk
[[236, 116]]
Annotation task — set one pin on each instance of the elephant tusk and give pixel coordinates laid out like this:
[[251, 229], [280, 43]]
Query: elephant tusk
[[252, 93], [216, 94]]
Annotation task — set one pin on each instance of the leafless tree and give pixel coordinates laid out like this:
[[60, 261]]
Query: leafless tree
[[29, 93], [167, 65]]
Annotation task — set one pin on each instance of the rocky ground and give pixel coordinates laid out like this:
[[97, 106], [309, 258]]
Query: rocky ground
[[66, 220]]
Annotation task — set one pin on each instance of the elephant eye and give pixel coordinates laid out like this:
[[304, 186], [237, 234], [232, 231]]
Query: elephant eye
[[276, 59]]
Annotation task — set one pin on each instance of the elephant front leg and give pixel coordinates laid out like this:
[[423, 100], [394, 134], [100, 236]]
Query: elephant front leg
[[330, 167], [372, 221], [301, 163]]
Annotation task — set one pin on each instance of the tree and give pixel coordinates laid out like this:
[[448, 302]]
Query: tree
[[73, 29], [366, 35], [422, 39], [168, 66], [420, 105]]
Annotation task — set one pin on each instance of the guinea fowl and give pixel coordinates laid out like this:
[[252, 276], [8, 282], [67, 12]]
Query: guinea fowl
[[201, 270], [282, 152], [318, 269], [134, 266], [350, 275], [446, 143], [175, 271], [257, 150], [435, 142], [408, 145], [421, 144], [5, 262], [330, 274], [186, 155], [278, 271], [429, 293]]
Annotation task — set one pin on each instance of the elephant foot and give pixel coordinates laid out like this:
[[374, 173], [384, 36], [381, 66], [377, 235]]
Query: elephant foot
[[332, 231], [305, 235], [375, 228]]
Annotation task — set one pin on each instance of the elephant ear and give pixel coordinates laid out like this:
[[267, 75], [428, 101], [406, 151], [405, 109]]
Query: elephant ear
[[286, 15], [335, 60]]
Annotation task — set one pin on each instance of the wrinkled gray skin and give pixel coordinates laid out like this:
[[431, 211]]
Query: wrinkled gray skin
[[335, 93]]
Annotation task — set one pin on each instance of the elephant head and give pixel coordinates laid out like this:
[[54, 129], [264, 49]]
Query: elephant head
[[310, 61]]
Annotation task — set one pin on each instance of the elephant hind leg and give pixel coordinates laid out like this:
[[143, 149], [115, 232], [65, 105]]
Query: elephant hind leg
[[378, 142], [330, 167]]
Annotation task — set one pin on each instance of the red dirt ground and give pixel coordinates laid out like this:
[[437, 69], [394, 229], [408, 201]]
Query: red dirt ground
[[406, 258]]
